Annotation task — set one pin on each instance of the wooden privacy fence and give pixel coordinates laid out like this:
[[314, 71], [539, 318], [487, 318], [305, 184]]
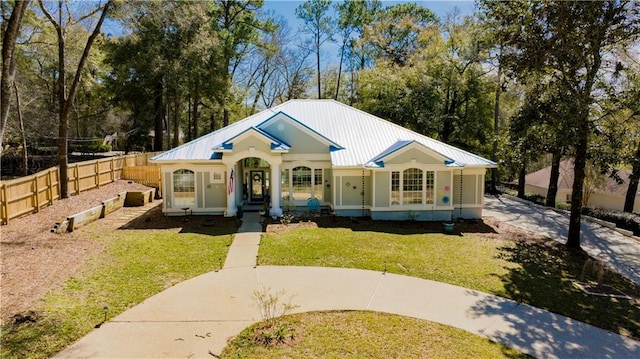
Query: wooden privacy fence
[[146, 175], [31, 193]]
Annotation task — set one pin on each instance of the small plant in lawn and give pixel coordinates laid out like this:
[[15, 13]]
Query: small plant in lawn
[[273, 330]]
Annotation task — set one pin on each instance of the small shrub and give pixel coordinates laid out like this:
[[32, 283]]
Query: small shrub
[[274, 330], [535, 198], [624, 220], [286, 219]]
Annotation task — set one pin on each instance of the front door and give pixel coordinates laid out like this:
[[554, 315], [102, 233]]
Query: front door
[[257, 187]]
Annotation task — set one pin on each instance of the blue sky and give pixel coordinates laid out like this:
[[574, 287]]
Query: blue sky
[[287, 8]]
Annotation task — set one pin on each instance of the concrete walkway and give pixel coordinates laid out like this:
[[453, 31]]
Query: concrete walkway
[[195, 318], [619, 251]]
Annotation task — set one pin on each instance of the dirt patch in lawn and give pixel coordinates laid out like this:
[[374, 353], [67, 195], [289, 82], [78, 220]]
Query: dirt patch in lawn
[[35, 261]]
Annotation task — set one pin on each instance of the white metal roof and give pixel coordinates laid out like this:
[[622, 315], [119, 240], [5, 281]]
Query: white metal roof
[[361, 137]]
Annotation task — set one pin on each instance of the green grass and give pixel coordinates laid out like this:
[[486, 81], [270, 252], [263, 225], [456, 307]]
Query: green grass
[[356, 334], [537, 273], [464, 261], [134, 265]]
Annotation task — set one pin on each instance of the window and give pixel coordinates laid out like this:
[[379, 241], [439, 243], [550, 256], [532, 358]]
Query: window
[[395, 188], [417, 186], [429, 187], [318, 186], [412, 186], [184, 188], [284, 184], [217, 177], [301, 183]]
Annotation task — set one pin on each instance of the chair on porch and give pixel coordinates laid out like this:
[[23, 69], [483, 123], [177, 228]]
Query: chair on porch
[[313, 206]]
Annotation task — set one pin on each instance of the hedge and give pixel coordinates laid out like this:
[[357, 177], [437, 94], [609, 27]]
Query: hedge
[[624, 220]]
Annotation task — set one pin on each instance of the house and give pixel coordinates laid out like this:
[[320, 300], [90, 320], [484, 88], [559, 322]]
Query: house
[[352, 162], [603, 193]]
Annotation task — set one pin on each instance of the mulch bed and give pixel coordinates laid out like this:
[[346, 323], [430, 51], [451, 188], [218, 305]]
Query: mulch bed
[[35, 261]]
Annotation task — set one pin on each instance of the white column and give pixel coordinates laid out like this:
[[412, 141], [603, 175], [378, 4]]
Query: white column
[[275, 190], [231, 195]]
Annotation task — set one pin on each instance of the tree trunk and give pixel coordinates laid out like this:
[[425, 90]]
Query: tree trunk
[[318, 67], [452, 105], [25, 158], [176, 121], [344, 44], [496, 122], [522, 179], [225, 118], [66, 101], [167, 122], [580, 163], [9, 37], [212, 122], [196, 105], [189, 137], [63, 122], [158, 111], [552, 191], [630, 197]]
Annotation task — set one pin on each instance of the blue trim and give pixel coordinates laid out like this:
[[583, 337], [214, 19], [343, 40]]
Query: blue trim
[[275, 142], [216, 156], [279, 147], [331, 143], [402, 144]]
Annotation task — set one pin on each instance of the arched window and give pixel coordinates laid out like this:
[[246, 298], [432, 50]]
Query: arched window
[[184, 188], [412, 186]]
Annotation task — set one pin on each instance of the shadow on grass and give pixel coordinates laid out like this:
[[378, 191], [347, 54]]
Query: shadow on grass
[[212, 225], [394, 227], [544, 278]]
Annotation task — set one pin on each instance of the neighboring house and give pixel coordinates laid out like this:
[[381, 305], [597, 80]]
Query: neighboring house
[[352, 162], [609, 194]]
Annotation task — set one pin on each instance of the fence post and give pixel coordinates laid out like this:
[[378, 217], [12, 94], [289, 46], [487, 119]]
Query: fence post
[[97, 170], [35, 178], [113, 170], [49, 189], [5, 207], [77, 179]]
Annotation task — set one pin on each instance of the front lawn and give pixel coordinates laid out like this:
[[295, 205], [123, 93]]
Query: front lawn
[[538, 272], [137, 262], [359, 334]]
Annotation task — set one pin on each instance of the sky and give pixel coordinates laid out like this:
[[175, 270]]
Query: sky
[[287, 9]]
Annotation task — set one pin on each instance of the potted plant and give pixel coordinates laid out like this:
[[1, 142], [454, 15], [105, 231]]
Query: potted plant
[[265, 208], [239, 211]]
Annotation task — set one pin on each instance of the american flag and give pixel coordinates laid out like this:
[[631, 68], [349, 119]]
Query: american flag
[[230, 186]]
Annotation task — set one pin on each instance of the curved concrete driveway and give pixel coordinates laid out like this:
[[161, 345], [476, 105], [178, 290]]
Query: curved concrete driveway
[[619, 251], [195, 318]]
